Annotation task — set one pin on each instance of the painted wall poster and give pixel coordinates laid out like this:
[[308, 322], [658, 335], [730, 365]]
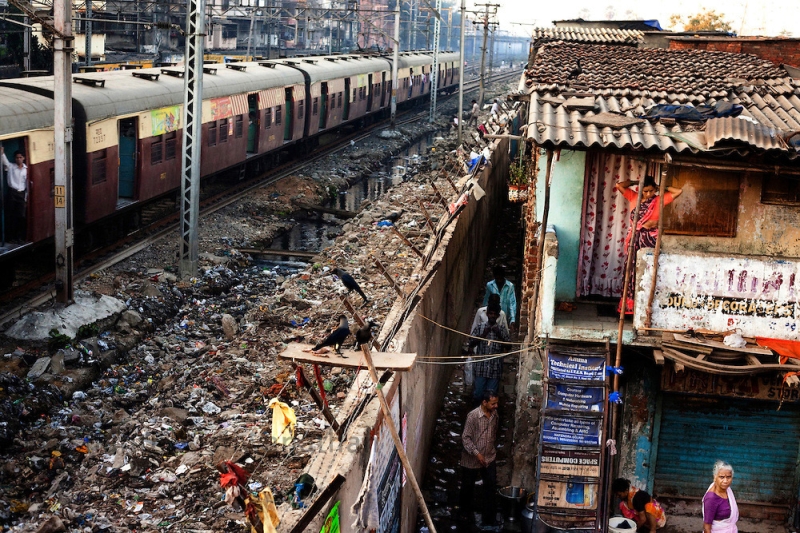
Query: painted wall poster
[[574, 367], [567, 494], [570, 463], [221, 108], [571, 431], [165, 120], [575, 398]]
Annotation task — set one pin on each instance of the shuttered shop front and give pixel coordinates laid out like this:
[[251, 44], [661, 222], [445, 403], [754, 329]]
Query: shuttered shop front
[[760, 442]]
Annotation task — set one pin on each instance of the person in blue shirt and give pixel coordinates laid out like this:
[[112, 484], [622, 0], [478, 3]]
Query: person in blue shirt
[[505, 289]]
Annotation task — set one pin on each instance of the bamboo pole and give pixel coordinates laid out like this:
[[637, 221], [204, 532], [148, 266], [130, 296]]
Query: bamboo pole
[[648, 321], [388, 277], [438, 194], [406, 241], [398, 444], [623, 306], [542, 234], [426, 215]]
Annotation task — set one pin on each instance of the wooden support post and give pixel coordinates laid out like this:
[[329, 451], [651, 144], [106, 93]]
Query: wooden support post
[[398, 444], [542, 234], [446, 176], [360, 321], [318, 504], [623, 306], [405, 240], [326, 411], [389, 278], [438, 194], [426, 215], [658, 355], [648, 320]]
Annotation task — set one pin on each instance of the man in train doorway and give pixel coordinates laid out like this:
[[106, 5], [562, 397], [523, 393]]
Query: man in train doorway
[[16, 210]]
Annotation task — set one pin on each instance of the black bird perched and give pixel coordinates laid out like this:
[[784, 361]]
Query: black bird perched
[[364, 335], [337, 337], [394, 216], [349, 283], [577, 71]]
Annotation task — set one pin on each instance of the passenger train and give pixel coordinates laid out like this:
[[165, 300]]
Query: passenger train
[[128, 130]]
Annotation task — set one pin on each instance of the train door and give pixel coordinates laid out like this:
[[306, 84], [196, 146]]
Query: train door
[[384, 89], [371, 90], [346, 113], [323, 107], [252, 125], [10, 146], [126, 177], [288, 120]]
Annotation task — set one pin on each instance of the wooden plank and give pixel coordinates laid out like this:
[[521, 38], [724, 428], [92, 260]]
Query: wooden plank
[[752, 360], [389, 278], [300, 352], [720, 345], [689, 347], [360, 321], [406, 241], [315, 508], [658, 355], [792, 361]]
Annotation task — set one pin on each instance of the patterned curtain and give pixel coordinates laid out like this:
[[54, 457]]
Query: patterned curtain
[[605, 224]]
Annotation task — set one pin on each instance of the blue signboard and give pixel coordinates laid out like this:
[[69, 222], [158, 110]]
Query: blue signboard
[[575, 367], [575, 398], [571, 431]]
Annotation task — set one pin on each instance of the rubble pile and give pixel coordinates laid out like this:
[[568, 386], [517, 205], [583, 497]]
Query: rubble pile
[[124, 428]]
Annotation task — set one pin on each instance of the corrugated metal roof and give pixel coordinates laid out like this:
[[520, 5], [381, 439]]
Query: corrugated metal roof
[[588, 35], [628, 81]]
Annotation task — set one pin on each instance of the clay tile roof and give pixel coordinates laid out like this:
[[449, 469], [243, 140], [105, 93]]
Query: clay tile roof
[[626, 81], [588, 35]]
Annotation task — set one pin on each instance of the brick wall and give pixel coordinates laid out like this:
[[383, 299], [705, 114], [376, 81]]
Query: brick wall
[[778, 51], [529, 246]]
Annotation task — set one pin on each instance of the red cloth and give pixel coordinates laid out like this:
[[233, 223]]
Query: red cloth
[[785, 349]]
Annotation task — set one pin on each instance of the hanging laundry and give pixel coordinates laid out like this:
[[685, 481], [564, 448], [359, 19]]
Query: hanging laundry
[[283, 422], [331, 524], [366, 507], [262, 507]]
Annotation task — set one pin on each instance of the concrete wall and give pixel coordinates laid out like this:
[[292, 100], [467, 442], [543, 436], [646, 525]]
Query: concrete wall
[[456, 275], [566, 205]]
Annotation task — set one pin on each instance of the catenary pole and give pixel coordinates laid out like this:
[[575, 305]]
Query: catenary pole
[[87, 26], [249, 35], [63, 46], [437, 30], [483, 55], [461, 74], [192, 141], [395, 60]]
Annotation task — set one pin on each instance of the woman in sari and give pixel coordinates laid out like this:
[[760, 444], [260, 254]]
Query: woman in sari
[[720, 511], [647, 224]]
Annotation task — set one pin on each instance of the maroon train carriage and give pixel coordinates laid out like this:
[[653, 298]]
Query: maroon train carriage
[[26, 124]]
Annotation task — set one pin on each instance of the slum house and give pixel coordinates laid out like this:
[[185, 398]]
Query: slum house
[[726, 261]]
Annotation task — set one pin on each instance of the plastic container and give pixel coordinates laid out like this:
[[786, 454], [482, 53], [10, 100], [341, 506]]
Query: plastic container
[[615, 522]]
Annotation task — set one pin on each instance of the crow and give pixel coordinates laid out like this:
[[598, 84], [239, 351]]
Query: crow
[[349, 283], [577, 71], [337, 337], [364, 335]]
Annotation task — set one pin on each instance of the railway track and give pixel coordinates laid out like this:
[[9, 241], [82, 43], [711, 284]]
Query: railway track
[[140, 239]]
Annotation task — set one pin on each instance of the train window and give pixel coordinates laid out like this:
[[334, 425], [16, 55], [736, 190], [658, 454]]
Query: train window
[[171, 145], [354, 96], [156, 151], [278, 116], [315, 106], [212, 134], [99, 167], [223, 130], [301, 110], [239, 127], [340, 100], [268, 119]]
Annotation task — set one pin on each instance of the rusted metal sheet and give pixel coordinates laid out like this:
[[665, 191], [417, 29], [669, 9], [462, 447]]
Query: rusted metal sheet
[[756, 439]]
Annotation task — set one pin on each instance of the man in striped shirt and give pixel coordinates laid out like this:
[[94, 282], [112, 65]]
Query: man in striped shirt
[[478, 458]]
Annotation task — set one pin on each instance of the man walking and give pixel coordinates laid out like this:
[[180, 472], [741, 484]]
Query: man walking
[[478, 458], [17, 196], [487, 370], [508, 298], [473, 116]]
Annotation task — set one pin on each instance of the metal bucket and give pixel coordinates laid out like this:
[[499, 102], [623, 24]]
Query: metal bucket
[[511, 499], [529, 519]]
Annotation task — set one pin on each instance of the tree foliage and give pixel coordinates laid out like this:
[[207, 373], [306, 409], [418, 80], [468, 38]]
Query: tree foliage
[[706, 20]]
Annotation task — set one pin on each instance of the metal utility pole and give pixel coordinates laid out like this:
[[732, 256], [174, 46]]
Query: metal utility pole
[[437, 28], [413, 23], [26, 45], [395, 61], [63, 46], [449, 27], [88, 29], [250, 35], [461, 74], [483, 48], [192, 141], [491, 51]]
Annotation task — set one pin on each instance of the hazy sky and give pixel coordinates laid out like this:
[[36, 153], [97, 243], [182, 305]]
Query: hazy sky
[[747, 17]]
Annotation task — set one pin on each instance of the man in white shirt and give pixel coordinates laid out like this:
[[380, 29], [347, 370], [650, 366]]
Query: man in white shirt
[[496, 108], [17, 179], [474, 114]]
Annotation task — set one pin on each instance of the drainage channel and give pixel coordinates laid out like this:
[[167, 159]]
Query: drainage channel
[[318, 232]]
